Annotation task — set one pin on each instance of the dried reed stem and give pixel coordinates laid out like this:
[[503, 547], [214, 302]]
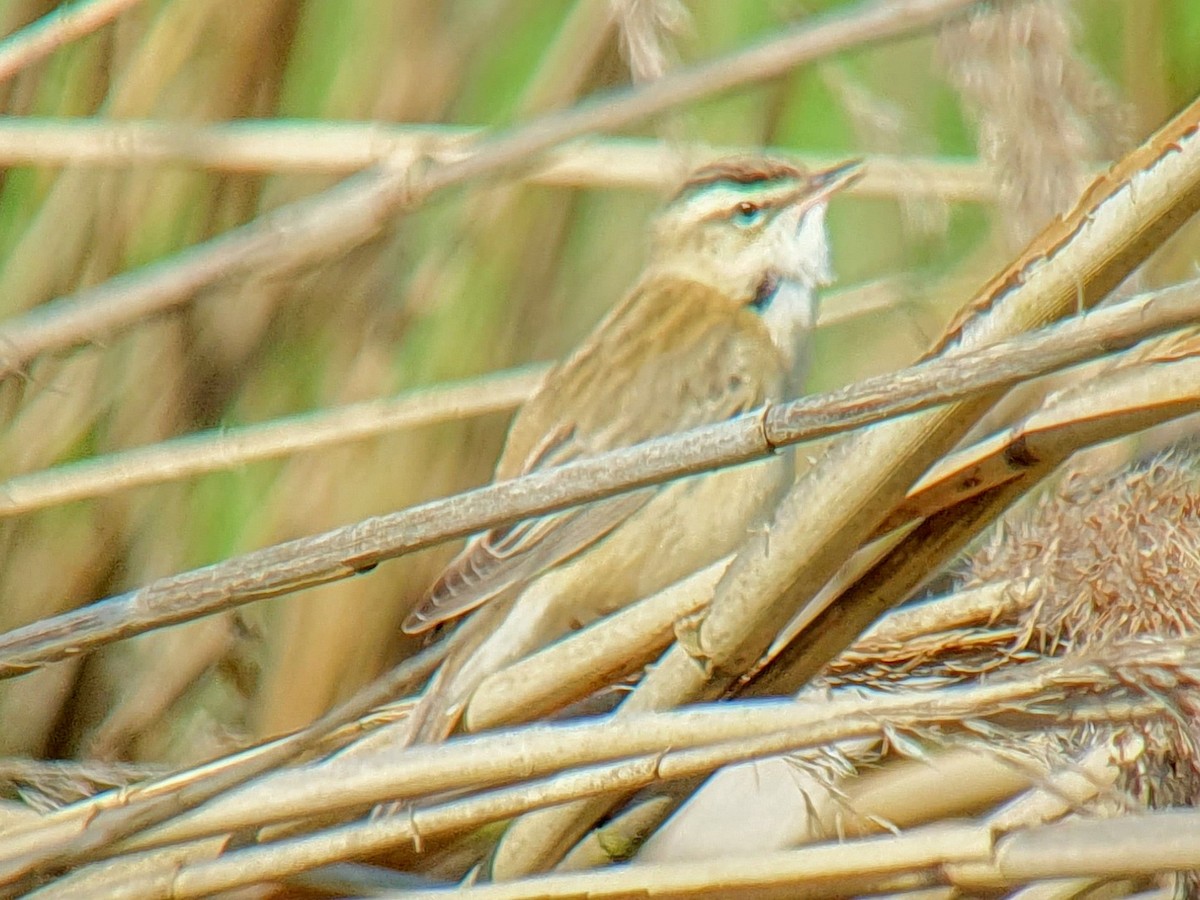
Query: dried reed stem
[[228, 448], [352, 549], [53, 30], [703, 738], [334, 148]]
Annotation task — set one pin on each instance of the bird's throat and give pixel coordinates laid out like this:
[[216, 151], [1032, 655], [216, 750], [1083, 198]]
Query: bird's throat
[[790, 314]]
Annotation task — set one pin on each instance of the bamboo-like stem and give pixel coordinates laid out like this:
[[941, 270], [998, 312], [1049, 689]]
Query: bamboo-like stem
[[611, 754], [355, 548]]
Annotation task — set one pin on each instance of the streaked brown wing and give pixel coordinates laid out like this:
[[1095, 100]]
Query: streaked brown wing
[[673, 356], [498, 560]]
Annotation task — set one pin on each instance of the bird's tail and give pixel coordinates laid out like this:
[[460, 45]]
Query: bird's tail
[[477, 649]]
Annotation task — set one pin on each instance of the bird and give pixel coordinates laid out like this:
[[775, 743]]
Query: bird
[[715, 326]]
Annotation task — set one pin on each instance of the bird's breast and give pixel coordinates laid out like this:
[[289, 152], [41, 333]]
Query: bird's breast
[[790, 315]]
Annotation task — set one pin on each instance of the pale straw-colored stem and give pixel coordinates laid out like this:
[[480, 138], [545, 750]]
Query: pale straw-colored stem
[[346, 551], [340, 148], [230, 448], [67, 23]]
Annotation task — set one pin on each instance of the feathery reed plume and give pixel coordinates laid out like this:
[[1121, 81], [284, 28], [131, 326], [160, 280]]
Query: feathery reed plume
[[1042, 111]]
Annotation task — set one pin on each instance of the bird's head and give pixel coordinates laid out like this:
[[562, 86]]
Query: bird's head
[[742, 221], [753, 228]]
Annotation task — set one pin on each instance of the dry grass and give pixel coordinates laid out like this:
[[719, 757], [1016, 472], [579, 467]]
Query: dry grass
[[211, 346]]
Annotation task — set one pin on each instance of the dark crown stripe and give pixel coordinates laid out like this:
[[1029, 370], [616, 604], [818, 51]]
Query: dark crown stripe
[[739, 171]]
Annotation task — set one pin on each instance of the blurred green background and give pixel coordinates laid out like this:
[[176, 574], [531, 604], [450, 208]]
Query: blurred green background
[[486, 276]]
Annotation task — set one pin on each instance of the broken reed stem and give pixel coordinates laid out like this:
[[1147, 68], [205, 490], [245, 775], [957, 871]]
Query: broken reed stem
[[345, 551], [963, 855]]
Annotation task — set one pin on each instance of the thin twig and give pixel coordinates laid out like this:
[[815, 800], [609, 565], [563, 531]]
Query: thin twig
[[229, 448], [352, 549], [60, 26], [341, 148]]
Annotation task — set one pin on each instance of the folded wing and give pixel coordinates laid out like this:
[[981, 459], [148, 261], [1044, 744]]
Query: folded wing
[[674, 355]]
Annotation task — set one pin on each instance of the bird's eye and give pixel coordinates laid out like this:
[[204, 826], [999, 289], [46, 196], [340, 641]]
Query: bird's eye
[[747, 213]]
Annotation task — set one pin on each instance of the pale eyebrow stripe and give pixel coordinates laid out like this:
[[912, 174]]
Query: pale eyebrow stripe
[[726, 197]]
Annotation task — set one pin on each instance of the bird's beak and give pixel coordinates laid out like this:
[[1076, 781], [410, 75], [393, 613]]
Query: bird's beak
[[823, 184], [830, 181]]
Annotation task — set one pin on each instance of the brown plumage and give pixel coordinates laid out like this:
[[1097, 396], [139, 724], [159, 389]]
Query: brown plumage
[[710, 330], [740, 170], [609, 394]]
